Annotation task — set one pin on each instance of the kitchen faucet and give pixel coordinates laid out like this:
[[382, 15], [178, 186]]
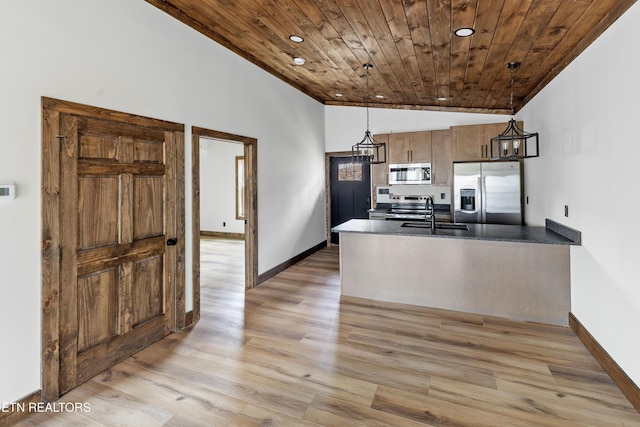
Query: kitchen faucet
[[428, 202]]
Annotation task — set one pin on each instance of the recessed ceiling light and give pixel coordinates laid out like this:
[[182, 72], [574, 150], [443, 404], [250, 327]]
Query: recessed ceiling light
[[380, 96], [442, 98], [296, 39], [464, 32], [298, 61], [339, 95]]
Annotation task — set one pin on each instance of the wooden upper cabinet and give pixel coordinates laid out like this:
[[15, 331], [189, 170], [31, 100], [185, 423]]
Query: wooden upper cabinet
[[473, 142], [417, 147], [409, 147], [469, 143], [442, 157]]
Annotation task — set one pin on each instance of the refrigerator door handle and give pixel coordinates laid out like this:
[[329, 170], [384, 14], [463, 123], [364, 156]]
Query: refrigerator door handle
[[482, 213]]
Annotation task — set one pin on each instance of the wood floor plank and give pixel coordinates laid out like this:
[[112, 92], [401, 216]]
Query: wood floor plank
[[252, 416], [498, 402], [293, 352], [267, 357], [197, 404], [462, 354], [384, 359], [427, 409], [329, 411], [588, 407], [210, 372]]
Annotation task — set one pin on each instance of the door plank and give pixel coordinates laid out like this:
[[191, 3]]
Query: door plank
[[92, 260], [97, 298], [171, 231], [88, 167], [98, 221], [100, 357], [181, 265], [148, 210], [50, 255], [68, 240], [147, 295]]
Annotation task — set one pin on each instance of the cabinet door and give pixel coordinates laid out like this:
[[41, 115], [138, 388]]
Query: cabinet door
[[410, 147], [442, 157], [492, 130], [420, 147], [468, 143], [473, 142], [399, 144]]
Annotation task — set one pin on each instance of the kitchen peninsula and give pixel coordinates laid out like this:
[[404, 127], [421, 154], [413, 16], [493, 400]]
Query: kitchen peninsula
[[516, 272]]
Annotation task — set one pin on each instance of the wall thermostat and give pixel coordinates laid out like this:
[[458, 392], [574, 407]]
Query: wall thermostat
[[7, 190]]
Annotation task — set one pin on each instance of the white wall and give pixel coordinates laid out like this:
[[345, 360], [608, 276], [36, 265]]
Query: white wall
[[590, 151], [129, 56], [345, 126], [218, 186]]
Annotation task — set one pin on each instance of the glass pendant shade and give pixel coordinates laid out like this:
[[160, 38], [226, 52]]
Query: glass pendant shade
[[514, 143]]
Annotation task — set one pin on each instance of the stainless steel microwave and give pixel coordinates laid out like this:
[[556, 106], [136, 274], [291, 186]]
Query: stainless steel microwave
[[410, 173]]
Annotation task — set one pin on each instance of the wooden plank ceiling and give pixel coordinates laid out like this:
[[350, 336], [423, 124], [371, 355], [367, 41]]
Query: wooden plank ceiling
[[418, 62]]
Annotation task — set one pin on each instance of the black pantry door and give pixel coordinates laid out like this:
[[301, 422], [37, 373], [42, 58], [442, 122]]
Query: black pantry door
[[350, 191]]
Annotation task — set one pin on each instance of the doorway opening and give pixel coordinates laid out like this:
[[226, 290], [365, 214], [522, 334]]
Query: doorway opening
[[348, 191], [222, 216], [224, 219]]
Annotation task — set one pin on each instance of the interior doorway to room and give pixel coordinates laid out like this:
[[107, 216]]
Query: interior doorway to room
[[222, 266], [224, 211], [222, 189], [350, 191]]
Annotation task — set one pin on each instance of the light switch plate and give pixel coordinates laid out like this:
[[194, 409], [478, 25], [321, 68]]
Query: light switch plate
[[7, 190]]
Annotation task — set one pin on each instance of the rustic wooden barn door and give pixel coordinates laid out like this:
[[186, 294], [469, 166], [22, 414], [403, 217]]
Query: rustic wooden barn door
[[118, 241]]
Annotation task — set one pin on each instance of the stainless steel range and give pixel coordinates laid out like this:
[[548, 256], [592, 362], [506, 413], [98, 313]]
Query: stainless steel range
[[410, 208]]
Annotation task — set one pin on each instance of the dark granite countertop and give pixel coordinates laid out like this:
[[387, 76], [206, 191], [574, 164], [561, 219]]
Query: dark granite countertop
[[495, 232]]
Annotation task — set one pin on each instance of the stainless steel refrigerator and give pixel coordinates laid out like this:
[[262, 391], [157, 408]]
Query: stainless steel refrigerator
[[488, 192]]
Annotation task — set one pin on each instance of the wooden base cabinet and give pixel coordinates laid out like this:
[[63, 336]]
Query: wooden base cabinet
[[520, 281]]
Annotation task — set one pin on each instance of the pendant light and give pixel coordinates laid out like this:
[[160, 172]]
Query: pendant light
[[514, 143], [368, 150]]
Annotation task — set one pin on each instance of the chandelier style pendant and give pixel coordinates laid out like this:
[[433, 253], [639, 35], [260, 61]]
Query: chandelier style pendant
[[368, 150], [514, 143]]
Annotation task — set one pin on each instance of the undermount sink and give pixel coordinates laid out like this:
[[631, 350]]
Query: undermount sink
[[451, 226], [441, 225]]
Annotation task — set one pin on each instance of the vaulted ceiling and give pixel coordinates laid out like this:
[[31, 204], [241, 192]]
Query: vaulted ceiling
[[418, 62]]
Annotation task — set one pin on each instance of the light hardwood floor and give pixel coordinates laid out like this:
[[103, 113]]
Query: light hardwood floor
[[293, 354]]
